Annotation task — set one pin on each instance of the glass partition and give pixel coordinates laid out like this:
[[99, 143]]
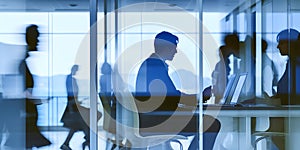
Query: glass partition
[[129, 31], [61, 32], [125, 31]]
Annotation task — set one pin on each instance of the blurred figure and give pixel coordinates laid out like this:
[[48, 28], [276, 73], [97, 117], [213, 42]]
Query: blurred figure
[[12, 126], [270, 73], [72, 118], [248, 64], [109, 102], [222, 69], [105, 79], [106, 93], [220, 74], [288, 85], [34, 138]]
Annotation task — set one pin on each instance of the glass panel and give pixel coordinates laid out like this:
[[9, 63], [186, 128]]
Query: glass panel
[[60, 36], [234, 28], [13, 50], [275, 18], [70, 22], [130, 40], [125, 39]]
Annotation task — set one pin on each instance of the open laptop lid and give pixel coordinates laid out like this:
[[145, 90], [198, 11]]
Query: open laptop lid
[[228, 89], [236, 88]]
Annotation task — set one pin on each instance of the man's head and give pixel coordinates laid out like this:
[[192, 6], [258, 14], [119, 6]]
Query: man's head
[[232, 43], [287, 39], [264, 45], [74, 69], [106, 68], [32, 35], [165, 45]]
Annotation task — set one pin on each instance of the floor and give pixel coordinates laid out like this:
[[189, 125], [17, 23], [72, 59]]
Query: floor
[[58, 137]]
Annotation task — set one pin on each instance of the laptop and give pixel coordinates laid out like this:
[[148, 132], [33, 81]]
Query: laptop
[[233, 98], [228, 88], [233, 90]]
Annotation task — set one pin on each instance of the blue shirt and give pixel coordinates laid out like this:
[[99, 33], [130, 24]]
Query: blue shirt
[[154, 84], [153, 79]]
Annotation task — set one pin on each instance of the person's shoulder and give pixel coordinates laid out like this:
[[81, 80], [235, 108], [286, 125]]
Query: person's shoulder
[[153, 61], [69, 77]]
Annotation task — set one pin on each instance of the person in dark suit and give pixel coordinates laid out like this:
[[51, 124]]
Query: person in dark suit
[[72, 118], [153, 80], [222, 70], [288, 45], [34, 138], [288, 84]]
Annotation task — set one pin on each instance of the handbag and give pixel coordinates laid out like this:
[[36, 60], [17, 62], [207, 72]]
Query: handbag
[[85, 113]]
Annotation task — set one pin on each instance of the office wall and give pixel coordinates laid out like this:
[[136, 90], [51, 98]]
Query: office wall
[[62, 34]]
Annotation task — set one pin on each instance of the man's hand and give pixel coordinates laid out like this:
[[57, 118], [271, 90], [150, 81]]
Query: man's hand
[[206, 94]]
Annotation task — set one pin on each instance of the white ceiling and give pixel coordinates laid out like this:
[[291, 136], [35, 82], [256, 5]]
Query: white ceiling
[[83, 5]]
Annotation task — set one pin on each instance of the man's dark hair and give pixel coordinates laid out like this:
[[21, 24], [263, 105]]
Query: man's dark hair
[[31, 32], [165, 38], [231, 39]]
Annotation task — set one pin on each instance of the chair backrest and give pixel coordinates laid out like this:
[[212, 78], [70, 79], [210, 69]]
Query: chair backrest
[[262, 123], [109, 111], [129, 118]]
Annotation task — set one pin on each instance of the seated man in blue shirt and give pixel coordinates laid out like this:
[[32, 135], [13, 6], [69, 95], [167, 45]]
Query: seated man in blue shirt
[[154, 84]]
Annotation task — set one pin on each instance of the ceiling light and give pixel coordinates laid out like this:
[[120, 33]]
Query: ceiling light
[[172, 5], [73, 5]]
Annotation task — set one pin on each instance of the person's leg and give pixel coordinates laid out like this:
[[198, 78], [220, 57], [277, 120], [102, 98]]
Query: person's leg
[[191, 129], [34, 137], [195, 142], [86, 131], [65, 145], [211, 128]]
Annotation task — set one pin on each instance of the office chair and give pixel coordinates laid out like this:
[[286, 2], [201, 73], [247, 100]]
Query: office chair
[[109, 119], [265, 135], [263, 124], [129, 126], [261, 133]]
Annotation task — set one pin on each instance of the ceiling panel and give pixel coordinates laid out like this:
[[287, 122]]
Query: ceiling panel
[[83, 5]]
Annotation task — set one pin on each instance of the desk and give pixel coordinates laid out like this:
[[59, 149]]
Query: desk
[[244, 114], [238, 120]]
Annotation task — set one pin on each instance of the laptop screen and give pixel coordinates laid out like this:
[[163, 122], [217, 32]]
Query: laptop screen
[[238, 88], [228, 89]]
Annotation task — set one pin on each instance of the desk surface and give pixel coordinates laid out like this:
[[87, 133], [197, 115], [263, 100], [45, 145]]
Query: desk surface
[[252, 107], [283, 111]]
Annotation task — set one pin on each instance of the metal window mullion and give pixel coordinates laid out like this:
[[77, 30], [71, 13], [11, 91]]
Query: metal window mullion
[[93, 73]]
